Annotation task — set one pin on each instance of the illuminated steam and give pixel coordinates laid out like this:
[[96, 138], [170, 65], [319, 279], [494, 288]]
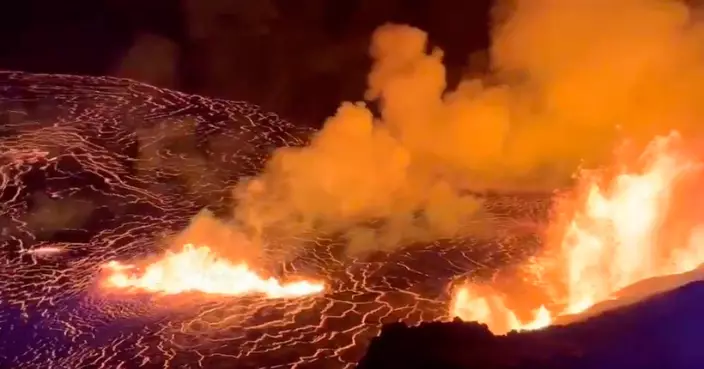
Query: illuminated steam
[[568, 81]]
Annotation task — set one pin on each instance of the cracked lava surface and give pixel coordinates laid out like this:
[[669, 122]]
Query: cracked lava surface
[[89, 174]]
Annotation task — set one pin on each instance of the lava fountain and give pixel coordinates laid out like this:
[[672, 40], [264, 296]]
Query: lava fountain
[[617, 232], [199, 269]]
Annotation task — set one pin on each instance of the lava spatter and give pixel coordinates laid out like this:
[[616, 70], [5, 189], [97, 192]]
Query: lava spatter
[[199, 269], [103, 169], [621, 229]]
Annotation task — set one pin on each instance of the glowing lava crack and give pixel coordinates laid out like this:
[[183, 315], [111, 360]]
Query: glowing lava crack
[[197, 269]]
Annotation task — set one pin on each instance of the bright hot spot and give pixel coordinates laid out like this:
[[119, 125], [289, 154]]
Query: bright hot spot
[[198, 269], [619, 228]]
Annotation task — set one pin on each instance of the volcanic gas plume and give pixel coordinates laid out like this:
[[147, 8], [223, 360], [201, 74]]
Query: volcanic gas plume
[[620, 227], [560, 93]]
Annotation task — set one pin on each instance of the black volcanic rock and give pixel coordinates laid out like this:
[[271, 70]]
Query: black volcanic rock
[[664, 331]]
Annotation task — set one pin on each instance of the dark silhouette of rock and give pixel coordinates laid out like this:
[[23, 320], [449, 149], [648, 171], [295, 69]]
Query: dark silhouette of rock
[[663, 331]]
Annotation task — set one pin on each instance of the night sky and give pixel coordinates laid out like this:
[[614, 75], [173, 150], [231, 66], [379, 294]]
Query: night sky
[[297, 58]]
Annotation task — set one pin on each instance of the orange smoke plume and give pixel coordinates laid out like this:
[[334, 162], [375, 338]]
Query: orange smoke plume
[[561, 93]]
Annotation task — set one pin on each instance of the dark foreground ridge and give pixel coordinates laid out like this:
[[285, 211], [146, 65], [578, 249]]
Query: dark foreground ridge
[[664, 331]]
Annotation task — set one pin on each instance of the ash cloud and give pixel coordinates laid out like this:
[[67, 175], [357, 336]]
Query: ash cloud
[[567, 81]]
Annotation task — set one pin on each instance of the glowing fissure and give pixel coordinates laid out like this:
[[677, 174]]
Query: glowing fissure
[[611, 241], [198, 269]]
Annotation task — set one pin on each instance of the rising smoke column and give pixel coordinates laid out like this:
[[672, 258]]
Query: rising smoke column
[[569, 79]]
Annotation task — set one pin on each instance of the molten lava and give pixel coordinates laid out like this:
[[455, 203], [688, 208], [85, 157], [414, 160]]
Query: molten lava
[[615, 236], [198, 269]]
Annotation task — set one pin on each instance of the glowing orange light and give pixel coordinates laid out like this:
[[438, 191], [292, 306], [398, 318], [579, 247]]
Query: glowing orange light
[[198, 269], [469, 304], [610, 242]]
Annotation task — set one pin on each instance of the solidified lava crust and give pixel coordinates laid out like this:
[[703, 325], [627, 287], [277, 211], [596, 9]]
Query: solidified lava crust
[[94, 169], [660, 332]]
